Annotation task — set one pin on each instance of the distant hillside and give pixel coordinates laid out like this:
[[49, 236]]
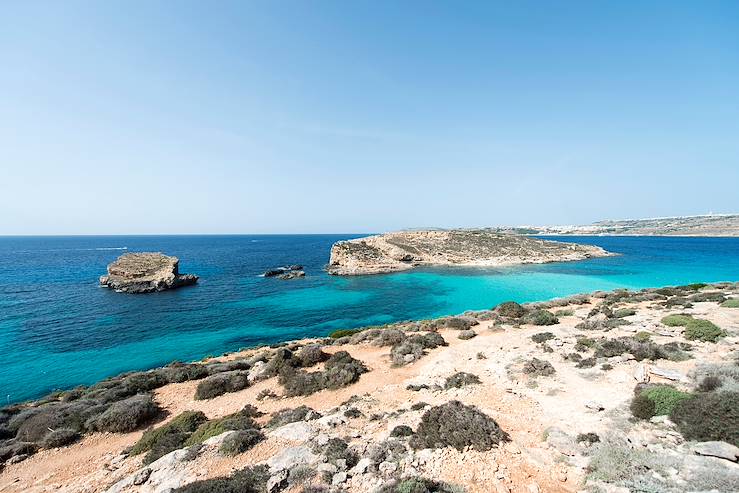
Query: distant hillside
[[713, 225]]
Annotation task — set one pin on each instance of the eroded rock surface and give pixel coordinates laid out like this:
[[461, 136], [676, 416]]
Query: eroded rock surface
[[145, 273], [393, 252]]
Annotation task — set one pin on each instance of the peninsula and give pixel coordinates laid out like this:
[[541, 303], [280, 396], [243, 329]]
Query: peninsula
[[399, 251]]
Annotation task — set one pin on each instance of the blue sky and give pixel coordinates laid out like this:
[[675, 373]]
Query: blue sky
[[267, 117]]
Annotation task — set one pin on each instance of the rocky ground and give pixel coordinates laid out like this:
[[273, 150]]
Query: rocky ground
[[145, 273], [614, 392], [393, 252]]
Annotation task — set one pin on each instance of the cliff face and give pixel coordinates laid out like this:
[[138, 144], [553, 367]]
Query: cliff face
[[145, 273], [393, 252]]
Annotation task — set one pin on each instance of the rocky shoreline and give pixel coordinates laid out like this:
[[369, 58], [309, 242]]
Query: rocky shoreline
[[608, 391], [399, 251]]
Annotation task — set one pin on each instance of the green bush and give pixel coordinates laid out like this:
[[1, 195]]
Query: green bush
[[542, 337], [676, 320], [126, 415], [466, 335], [253, 479], [339, 371], [624, 312], [702, 330], [709, 383], [60, 438], [240, 441], [242, 420], [456, 425], [311, 354], [538, 367], [186, 422], [418, 485], [642, 407], [541, 317], [714, 296], [461, 379], [665, 398], [221, 383], [709, 417], [287, 416], [642, 336], [564, 313], [338, 334], [510, 309], [731, 303], [401, 431]]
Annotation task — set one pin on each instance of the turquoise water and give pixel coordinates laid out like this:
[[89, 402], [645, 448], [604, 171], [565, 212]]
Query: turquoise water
[[58, 329]]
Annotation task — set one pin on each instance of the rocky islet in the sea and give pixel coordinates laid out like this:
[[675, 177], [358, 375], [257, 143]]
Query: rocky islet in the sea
[[145, 272], [286, 273], [399, 251]]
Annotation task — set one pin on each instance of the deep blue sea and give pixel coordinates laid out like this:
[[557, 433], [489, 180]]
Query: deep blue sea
[[59, 329]]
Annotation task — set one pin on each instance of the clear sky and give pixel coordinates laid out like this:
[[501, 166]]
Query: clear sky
[[356, 116]]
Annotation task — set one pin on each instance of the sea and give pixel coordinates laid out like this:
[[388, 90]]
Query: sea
[[59, 329]]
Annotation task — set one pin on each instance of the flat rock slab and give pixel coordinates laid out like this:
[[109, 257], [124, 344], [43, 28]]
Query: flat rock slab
[[722, 450], [291, 457], [299, 431]]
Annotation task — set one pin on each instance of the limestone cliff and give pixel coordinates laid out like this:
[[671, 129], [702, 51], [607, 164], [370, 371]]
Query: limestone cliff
[[145, 273], [393, 252]]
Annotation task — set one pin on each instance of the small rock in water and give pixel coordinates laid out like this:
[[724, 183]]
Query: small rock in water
[[285, 273]]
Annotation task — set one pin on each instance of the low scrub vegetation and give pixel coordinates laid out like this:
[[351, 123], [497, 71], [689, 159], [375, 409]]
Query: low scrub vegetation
[[339, 371], [253, 479], [222, 383], [418, 485], [171, 436], [466, 334], [541, 317], [623, 312], [510, 309], [709, 416], [242, 420], [731, 303], [338, 334], [287, 416], [703, 330], [240, 441], [538, 367], [456, 425], [656, 400], [542, 337], [461, 379], [126, 415]]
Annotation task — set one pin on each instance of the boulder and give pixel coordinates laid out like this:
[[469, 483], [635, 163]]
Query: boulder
[[145, 273], [291, 457]]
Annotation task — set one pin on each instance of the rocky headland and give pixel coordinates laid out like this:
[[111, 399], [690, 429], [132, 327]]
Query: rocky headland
[[607, 392], [145, 273], [701, 226], [399, 251]]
